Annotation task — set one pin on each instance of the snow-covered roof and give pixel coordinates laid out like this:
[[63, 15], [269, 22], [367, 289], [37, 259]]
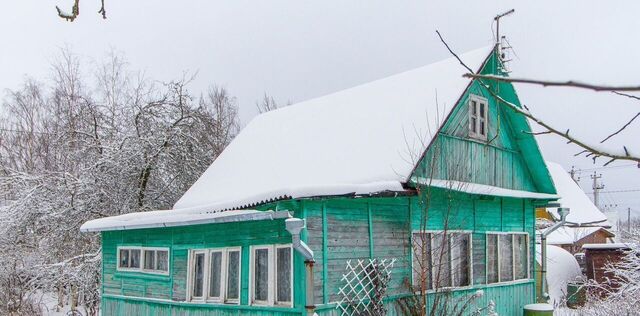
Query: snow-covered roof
[[562, 268], [358, 140], [569, 235], [172, 218], [607, 246], [483, 189], [582, 210]]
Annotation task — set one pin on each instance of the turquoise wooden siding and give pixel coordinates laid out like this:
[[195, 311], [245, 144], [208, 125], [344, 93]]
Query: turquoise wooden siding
[[138, 286]]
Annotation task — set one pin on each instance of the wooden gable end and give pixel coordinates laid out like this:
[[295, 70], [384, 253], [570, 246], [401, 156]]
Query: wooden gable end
[[508, 158]]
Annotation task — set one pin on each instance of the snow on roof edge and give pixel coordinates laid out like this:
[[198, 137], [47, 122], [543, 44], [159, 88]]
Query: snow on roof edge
[[483, 189]]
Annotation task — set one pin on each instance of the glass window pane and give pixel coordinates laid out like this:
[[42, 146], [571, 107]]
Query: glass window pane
[[149, 259], [198, 275], [492, 258], [283, 275], [135, 258], [124, 258], [440, 260], [162, 260], [482, 110], [474, 107], [215, 274], [482, 132], [473, 125], [233, 275], [261, 274], [460, 259], [506, 258], [421, 261], [520, 256]]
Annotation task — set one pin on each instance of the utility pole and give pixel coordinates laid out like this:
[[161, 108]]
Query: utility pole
[[596, 188], [573, 174]]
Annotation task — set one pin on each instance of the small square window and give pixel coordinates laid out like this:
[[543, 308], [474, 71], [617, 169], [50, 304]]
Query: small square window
[[478, 116]]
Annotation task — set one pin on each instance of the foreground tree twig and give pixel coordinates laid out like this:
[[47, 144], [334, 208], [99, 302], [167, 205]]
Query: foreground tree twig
[[589, 150], [75, 11], [548, 83]]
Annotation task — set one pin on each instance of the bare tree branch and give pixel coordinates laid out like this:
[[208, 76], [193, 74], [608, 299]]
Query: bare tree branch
[[592, 150], [75, 11], [452, 53], [621, 129], [545, 83]]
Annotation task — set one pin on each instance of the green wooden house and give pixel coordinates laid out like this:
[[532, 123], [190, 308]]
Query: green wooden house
[[416, 160]]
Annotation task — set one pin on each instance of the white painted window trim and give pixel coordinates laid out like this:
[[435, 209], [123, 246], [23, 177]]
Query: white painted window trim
[[474, 130], [141, 268], [207, 276], [272, 278], [469, 253], [512, 234]]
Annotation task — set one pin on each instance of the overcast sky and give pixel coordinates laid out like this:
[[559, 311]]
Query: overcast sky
[[297, 50]]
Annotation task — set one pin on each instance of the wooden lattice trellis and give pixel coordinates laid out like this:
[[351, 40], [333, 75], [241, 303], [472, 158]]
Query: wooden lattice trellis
[[365, 284]]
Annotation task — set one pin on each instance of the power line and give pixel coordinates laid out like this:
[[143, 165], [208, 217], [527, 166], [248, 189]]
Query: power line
[[608, 167], [616, 191]]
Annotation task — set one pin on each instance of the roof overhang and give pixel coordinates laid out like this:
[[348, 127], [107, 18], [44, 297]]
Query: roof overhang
[[173, 218], [482, 189]]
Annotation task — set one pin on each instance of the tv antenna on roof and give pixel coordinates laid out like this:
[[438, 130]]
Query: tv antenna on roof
[[499, 46]]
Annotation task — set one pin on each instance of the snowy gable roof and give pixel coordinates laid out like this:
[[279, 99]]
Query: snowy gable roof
[[582, 210], [358, 140]]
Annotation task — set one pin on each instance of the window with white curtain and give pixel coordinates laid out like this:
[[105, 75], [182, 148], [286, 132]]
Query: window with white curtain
[[143, 259], [478, 117], [215, 275], [441, 259], [507, 257], [271, 275]]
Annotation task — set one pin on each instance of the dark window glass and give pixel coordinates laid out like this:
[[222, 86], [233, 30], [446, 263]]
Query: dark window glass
[[233, 275], [482, 110], [135, 258], [422, 261], [198, 275], [283, 274], [520, 256], [482, 132], [474, 108], [162, 260], [124, 258], [261, 271], [441, 260], [149, 260], [506, 258], [460, 262], [492, 258], [215, 275]]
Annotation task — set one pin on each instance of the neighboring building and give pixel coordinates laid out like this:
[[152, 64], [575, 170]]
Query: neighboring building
[[586, 224], [599, 259], [357, 165]]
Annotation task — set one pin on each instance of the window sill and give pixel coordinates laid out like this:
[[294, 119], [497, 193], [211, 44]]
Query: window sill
[[142, 274]]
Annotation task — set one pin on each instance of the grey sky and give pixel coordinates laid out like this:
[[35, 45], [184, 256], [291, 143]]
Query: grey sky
[[296, 50]]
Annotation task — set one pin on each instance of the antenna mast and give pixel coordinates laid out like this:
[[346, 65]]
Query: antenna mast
[[497, 19]]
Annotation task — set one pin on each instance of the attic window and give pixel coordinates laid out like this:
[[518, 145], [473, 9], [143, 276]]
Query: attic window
[[478, 117]]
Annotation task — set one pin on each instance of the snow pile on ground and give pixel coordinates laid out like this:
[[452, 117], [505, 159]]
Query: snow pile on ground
[[562, 268]]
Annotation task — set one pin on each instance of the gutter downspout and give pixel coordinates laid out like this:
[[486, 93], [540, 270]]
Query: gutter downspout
[[563, 212], [294, 226]]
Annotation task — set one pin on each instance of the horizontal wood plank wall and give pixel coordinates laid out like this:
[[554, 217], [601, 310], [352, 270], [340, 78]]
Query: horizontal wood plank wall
[[180, 240]]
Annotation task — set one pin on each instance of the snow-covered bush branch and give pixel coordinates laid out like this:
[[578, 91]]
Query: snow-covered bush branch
[[83, 147]]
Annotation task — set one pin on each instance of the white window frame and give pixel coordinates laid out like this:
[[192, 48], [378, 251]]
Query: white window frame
[[272, 277], [513, 257], [449, 236], [141, 268], [205, 298], [474, 130]]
